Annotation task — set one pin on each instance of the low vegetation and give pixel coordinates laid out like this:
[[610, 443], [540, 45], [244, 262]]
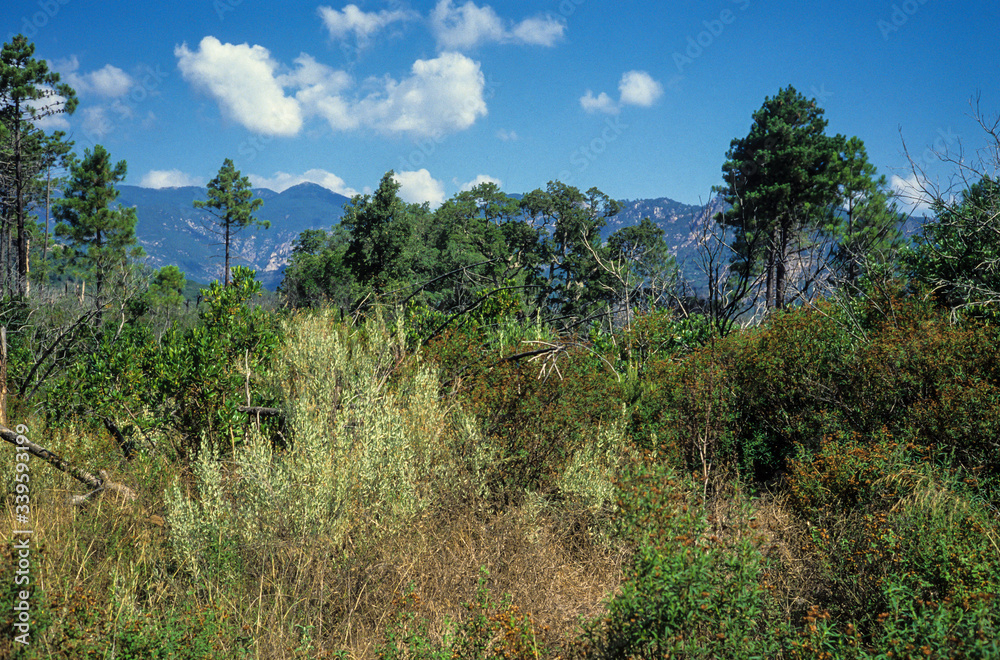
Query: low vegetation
[[488, 432]]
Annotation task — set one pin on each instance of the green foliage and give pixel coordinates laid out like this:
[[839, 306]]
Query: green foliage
[[85, 624], [957, 252], [167, 287], [865, 227], [383, 246], [232, 202], [779, 181], [535, 414], [202, 374], [316, 271], [688, 591], [103, 237]]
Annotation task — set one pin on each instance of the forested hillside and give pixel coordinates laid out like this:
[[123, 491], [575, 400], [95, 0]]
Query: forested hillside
[[505, 427]]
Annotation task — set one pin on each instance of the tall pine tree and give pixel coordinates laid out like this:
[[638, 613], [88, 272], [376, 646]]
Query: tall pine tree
[[231, 201], [779, 181], [103, 237]]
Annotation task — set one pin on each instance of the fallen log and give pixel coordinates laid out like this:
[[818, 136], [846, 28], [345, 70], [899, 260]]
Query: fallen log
[[261, 412], [97, 484]]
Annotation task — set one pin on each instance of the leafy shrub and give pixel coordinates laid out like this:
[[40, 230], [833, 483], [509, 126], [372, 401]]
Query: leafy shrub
[[362, 456], [689, 592], [537, 408]]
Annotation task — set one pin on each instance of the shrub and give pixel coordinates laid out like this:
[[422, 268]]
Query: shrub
[[689, 592]]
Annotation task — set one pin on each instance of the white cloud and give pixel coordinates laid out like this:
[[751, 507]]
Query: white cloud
[[443, 95], [639, 88], [636, 87], [321, 90], [96, 123], [911, 194], [362, 24], [508, 136], [600, 103], [241, 78], [282, 181], [479, 180], [109, 81], [169, 179], [539, 31], [419, 187], [469, 25]]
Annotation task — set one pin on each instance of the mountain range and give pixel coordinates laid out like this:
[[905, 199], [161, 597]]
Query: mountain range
[[173, 232]]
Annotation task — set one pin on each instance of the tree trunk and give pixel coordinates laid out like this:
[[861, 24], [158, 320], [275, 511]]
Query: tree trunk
[[226, 274], [22, 238]]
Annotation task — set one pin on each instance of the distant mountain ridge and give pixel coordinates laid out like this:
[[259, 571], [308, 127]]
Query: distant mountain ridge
[[173, 232]]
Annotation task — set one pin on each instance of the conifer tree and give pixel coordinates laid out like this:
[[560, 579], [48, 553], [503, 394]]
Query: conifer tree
[[28, 92], [103, 237], [232, 202]]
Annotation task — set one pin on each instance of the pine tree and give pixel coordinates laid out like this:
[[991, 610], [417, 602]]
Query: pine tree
[[103, 237], [779, 183], [28, 92], [232, 202]]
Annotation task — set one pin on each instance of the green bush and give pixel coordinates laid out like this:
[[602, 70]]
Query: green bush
[[688, 592]]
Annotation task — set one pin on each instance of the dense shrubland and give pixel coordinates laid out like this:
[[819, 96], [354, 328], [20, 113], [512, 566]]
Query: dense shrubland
[[486, 431]]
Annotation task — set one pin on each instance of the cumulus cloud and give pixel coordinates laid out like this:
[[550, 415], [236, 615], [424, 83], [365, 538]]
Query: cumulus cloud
[[282, 181], [467, 26], [419, 187], [639, 88], [109, 81], [636, 88], [352, 20], [169, 179], [479, 180], [241, 78], [441, 95], [601, 103], [911, 194]]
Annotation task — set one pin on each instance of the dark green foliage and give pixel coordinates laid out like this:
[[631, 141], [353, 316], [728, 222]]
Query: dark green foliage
[[535, 413], [201, 373], [382, 248], [232, 202], [189, 382], [779, 180], [957, 254], [316, 271], [103, 237], [690, 591], [865, 227]]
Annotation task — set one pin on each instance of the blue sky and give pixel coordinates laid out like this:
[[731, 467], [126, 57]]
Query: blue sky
[[640, 99]]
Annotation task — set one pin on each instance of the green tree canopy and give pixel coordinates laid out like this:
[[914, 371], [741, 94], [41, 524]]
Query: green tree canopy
[[958, 253], [779, 181], [102, 237], [28, 92], [231, 200]]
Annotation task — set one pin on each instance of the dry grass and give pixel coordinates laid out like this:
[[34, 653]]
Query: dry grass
[[547, 561]]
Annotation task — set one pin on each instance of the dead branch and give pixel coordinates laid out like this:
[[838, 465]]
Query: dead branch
[[97, 484]]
